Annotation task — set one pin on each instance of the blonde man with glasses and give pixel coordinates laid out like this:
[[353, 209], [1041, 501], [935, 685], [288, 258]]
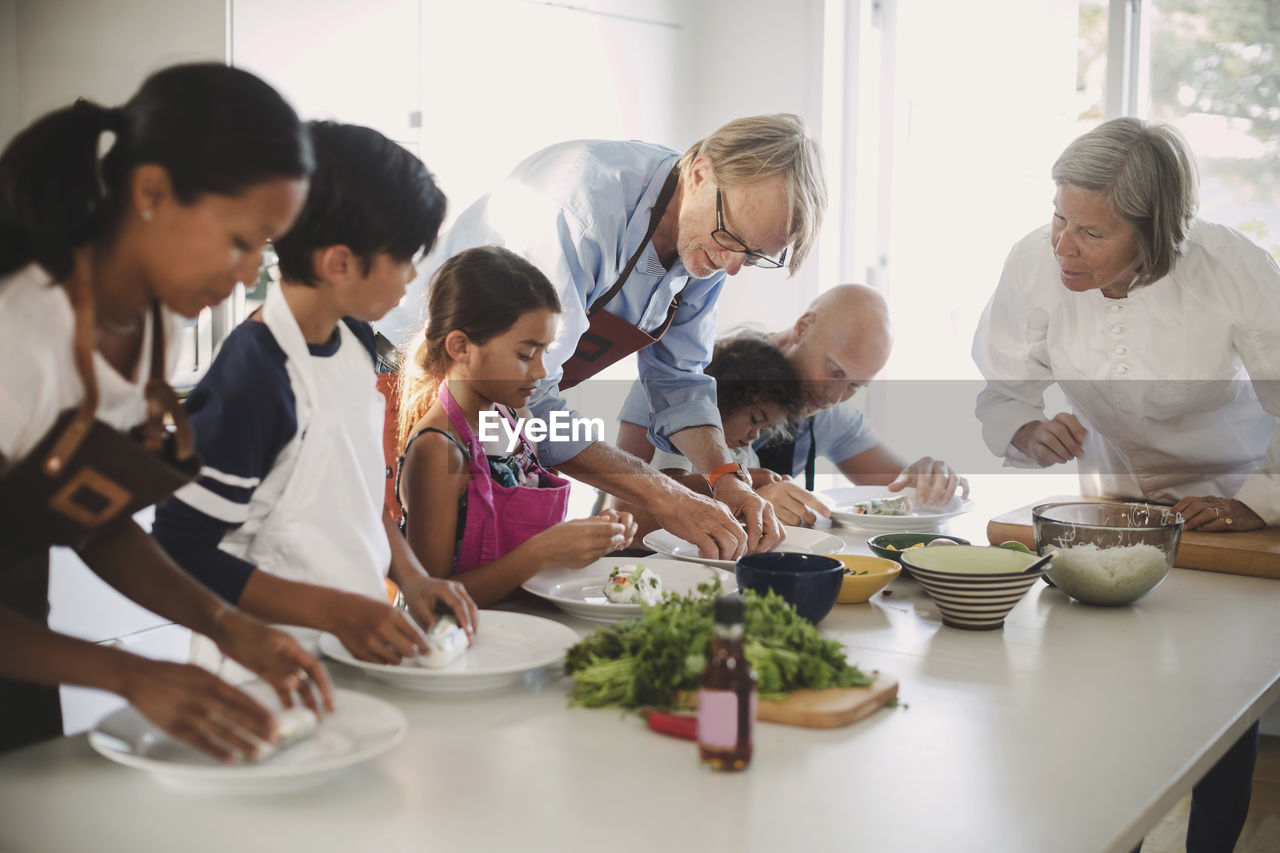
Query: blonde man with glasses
[[638, 240]]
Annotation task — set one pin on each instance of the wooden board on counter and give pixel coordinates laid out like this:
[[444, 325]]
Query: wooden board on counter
[[831, 708], [1256, 552]]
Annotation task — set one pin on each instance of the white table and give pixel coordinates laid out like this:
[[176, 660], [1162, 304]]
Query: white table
[[1073, 729]]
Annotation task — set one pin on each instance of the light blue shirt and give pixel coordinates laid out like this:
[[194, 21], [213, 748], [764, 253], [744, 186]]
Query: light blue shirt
[[578, 211], [839, 432]]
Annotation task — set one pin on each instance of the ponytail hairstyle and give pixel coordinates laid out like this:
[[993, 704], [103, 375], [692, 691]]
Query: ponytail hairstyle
[[214, 129], [481, 292]]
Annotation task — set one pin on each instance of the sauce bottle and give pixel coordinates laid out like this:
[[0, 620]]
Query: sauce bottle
[[727, 695]]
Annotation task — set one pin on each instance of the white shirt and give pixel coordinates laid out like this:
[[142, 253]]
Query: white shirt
[[38, 378], [578, 211], [1175, 382]]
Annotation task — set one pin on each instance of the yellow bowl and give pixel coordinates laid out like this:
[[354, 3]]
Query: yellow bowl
[[858, 588]]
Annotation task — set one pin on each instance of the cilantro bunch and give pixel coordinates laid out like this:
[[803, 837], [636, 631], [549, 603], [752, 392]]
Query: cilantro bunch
[[652, 660]]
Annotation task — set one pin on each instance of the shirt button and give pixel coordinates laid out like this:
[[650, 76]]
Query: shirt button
[[1122, 368], [1117, 329], [1121, 349], [1113, 308]]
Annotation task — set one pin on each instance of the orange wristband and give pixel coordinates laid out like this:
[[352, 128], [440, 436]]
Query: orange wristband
[[720, 470]]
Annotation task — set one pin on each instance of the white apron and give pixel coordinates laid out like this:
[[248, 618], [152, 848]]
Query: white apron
[[326, 527]]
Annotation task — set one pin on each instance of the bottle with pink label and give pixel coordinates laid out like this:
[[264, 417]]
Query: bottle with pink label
[[727, 696]]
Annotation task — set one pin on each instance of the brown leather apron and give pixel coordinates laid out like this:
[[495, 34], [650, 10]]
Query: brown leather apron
[[83, 478], [609, 338]]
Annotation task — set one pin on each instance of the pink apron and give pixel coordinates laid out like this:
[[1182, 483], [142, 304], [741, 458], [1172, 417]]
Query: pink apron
[[500, 518]]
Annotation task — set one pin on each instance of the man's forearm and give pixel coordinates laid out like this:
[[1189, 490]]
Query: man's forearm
[[704, 447], [622, 475]]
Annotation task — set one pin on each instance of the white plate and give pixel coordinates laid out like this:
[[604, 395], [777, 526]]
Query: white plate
[[581, 591], [506, 647], [361, 727], [921, 518], [801, 540]]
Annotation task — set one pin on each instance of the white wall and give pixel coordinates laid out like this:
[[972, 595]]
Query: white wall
[[753, 57], [53, 51]]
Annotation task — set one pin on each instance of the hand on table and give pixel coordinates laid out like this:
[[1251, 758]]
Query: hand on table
[[935, 481], [1053, 441], [792, 503], [276, 657], [1212, 514]]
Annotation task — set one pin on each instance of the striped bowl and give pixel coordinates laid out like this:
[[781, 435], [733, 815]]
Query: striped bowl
[[974, 587]]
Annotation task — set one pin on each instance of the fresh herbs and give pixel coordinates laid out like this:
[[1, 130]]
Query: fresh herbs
[[650, 661]]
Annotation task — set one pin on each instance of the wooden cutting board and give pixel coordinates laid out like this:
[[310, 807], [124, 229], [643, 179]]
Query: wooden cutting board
[[831, 708], [1256, 552]]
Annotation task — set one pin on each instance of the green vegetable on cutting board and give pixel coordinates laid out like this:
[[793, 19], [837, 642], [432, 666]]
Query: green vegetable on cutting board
[[649, 661], [1015, 545]]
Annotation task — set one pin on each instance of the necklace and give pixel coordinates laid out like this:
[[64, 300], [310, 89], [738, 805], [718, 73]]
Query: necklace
[[120, 328]]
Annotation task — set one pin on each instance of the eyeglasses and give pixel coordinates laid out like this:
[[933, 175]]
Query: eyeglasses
[[727, 240]]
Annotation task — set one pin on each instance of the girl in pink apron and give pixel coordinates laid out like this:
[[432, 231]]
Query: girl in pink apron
[[492, 516]]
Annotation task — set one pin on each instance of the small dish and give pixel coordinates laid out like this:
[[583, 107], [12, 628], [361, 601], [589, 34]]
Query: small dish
[[809, 582], [920, 517], [879, 545], [974, 586], [864, 576]]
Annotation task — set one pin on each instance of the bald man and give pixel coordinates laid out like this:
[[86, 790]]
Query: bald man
[[836, 346]]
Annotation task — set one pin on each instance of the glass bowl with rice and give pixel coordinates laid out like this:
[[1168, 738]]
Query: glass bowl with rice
[[1107, 552]]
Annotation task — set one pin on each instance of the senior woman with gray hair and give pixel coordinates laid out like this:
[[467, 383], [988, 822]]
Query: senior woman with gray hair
[[1163, 332]]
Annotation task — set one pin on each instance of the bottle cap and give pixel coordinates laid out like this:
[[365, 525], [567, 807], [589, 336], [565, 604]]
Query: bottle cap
[[730, 609]]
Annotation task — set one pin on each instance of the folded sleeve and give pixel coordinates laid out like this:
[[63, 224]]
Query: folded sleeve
[[1010, 349], [680, 395]]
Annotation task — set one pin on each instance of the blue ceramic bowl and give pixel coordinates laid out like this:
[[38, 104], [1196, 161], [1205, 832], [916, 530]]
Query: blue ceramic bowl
[[810, 582]]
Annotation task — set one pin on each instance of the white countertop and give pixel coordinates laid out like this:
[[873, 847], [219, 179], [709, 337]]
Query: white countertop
[[1073, 729]]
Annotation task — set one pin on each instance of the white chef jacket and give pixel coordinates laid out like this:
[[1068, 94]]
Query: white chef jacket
[[1176, 383], [578, 211]]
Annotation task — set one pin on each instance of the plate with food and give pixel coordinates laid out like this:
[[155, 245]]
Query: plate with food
[[310, 750], [875, 508], [800, 540], [506, 647], [611, 588]]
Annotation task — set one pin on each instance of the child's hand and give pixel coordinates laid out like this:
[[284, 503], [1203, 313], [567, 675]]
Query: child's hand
[[793, 504], [574, 544], [374, 631], [623, 518], [764, 477], [426, 595]]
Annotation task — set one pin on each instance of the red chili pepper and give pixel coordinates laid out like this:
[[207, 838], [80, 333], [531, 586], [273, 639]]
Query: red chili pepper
[[676, 725]]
